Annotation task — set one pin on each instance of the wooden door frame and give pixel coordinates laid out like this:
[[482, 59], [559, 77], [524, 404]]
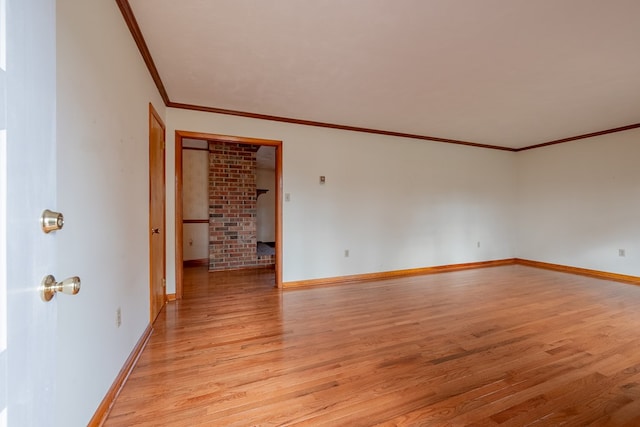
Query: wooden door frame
[[180, 135], [153, 114]]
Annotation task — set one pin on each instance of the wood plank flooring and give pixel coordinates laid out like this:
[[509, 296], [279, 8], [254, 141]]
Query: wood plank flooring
[[509, 346]]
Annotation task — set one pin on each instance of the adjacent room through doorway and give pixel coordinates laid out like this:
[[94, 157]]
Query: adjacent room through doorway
[[228, 214]]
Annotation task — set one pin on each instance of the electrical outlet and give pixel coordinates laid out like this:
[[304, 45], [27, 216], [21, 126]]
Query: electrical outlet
[[346, 253], [118, 317], [622, 252], [287, 197], [478, 243]]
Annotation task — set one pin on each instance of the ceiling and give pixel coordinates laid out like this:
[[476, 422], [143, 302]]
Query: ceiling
[[508, 73]]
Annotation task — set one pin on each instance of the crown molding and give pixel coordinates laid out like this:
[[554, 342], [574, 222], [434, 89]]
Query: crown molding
[[577, 137], [132, 23], [331, 125]]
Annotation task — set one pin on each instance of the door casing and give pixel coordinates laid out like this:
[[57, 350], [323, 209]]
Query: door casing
[[179, 136]]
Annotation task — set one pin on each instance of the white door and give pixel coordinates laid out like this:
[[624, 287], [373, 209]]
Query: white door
[[27, 187]]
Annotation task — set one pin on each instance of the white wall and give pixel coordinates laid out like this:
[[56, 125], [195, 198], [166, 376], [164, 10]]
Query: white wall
[[395, 203], [102, 133], [580, 203], [266, 205], [195, 241], [195, 203]]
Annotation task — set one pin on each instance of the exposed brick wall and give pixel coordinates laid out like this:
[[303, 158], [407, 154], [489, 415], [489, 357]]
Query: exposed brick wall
[[232, 206]]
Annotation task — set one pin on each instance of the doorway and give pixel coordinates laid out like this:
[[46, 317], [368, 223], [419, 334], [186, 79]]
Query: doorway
[[214, 139], [157, 220]]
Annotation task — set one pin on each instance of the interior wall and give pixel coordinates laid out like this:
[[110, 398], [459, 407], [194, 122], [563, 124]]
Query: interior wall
[[195, 196], [103, 91], [579, 203], [266, 205], [394, 203]]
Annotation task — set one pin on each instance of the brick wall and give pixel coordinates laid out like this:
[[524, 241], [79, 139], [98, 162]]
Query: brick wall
[[232, 207]]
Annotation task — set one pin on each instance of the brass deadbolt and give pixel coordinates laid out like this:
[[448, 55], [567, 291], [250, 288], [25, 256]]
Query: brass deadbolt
[[51, 221]]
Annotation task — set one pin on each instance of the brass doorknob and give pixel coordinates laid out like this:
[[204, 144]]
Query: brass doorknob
[[70, 286], [51, 221]]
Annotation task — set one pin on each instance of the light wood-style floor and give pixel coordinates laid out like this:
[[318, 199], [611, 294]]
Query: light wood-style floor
[[510, 346]]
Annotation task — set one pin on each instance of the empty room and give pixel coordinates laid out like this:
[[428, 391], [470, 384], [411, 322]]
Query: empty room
[[416, 213]]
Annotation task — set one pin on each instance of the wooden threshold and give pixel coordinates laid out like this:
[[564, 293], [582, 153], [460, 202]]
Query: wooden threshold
[[202, 262], [105, 406]]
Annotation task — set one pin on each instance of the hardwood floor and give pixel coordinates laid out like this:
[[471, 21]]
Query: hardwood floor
[[510, 345]]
